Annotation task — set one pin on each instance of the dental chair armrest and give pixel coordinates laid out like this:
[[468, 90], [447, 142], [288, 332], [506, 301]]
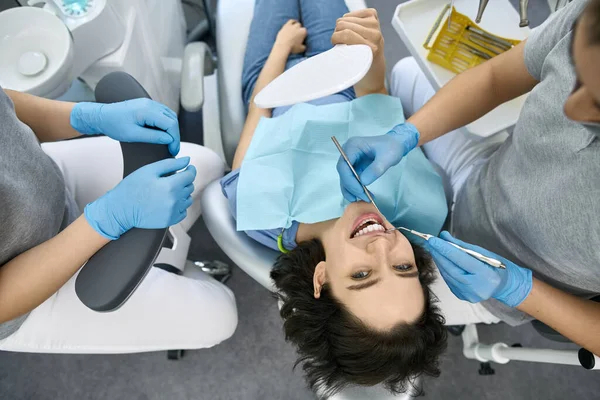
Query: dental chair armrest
[[112, 274], [252, 257], [197, 63]]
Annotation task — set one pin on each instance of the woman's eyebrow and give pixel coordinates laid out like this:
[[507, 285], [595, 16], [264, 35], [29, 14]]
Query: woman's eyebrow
[[364, 285], [411, 274]]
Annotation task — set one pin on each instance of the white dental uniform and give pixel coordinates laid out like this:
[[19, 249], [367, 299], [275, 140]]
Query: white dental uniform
[[166, 312]]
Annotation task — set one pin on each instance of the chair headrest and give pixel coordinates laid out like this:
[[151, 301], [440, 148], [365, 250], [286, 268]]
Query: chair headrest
[[233, 25]]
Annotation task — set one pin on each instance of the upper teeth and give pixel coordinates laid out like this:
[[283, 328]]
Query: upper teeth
[[371, 228]]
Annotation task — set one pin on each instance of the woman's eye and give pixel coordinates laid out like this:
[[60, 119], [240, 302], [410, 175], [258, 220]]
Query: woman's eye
[[360, 275], [402, 268]]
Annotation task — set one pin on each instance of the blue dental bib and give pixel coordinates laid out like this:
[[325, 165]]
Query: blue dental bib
[[289, 172]]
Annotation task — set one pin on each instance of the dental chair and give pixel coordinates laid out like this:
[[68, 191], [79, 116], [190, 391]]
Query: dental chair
[[114, 272], [254, 259]]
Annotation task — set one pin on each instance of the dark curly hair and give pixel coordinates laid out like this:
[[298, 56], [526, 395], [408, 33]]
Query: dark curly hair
[[336, 349]]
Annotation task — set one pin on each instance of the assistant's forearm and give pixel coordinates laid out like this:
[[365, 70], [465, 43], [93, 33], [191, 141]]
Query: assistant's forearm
[[35, 275], [50, 120], [575, 318]]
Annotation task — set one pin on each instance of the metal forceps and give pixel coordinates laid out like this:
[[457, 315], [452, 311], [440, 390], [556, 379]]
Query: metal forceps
[[345, 157]]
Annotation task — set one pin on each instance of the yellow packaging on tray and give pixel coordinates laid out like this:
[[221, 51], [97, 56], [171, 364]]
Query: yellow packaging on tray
[[461, 44]]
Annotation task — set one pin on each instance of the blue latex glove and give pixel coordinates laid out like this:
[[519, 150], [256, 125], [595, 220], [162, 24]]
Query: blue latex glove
[[139, 120], [474, 281], [148, 198], [373, 155]]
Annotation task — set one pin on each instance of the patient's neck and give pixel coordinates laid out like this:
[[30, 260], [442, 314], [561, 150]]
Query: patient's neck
[[313, 231]]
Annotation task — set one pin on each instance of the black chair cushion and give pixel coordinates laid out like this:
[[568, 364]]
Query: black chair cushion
[[114, 272]]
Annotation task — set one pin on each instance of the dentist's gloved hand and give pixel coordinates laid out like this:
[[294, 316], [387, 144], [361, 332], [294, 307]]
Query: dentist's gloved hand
[[147, 198], [474, 281], [372, 156], [139, 120]]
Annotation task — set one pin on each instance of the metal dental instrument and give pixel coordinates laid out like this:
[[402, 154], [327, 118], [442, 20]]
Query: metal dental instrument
[[487, 44], [523, 13], [450, 15], [488, 260], [345, 157], [476, 37], [475, 51], [489, 37], [437, 23], [482, 5], [489, 47]]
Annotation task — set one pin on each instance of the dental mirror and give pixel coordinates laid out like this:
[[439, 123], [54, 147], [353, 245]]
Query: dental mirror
[[319, 76]]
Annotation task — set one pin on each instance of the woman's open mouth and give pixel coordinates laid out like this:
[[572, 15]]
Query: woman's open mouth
[[366, 224]]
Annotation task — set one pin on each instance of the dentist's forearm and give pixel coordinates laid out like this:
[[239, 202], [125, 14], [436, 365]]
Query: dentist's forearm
[[474, 93], [50, 120], [32, 277], [575, 318], [461, 101]]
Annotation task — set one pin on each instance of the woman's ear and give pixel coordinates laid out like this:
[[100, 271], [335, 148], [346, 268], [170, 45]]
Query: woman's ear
[[319, 278]]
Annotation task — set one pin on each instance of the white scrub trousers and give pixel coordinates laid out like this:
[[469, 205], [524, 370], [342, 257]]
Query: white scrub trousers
[[166, 312], [455, 154]]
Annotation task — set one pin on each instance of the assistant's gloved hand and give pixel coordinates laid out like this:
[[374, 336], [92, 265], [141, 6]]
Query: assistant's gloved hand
[[139, 120], [145, 199], [474, 281], [372, 156]]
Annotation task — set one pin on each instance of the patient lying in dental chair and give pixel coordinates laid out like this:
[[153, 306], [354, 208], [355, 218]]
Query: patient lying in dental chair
[[356, 301]]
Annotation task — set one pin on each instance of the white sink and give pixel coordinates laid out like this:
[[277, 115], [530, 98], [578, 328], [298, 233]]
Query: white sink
[[36, 52]]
